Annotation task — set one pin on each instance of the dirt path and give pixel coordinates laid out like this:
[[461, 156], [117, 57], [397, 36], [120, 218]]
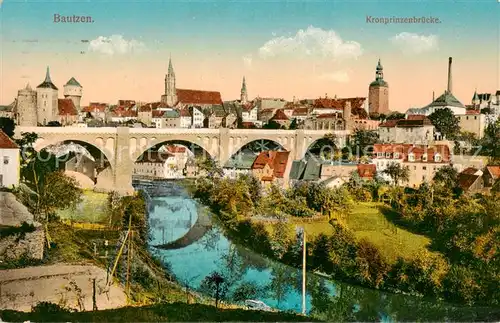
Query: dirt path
[[20, 289]]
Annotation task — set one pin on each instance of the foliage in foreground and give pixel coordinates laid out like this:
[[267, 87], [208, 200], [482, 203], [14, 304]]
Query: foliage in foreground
[[175, 312]]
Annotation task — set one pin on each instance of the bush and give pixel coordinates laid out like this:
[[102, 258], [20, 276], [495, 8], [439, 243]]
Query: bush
[[48, 308]]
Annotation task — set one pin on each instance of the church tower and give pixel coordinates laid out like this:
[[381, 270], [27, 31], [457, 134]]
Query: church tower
[[47, 104], [170, 96], [26, 112], [73, 91], [378, 92], [244, 94]]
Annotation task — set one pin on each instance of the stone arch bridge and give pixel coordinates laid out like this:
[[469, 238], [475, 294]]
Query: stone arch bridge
[[122, 146]]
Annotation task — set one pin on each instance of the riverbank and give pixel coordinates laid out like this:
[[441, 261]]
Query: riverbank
[[416, 271]]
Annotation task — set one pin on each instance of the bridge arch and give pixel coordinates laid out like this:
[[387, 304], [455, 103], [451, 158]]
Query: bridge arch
[[237, 143], [140, 145]]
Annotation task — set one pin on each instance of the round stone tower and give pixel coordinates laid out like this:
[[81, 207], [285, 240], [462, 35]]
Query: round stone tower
[[73, 90], [26, 112]]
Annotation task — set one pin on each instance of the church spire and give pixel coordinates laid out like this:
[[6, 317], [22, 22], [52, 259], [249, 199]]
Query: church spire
[[379, 74], [449, 75], [47, 76], [244, 94], [170, 67]]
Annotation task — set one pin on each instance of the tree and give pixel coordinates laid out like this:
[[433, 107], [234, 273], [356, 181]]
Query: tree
[[445, 122], [8, 126], [446, 176], [293, 124], [491, 140], [362, 142], [53, 124], [209, 167], [271, 124], [215, 285], [397, 172], [396, 116], [58, 192]]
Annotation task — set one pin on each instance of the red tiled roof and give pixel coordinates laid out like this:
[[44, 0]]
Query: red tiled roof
[[277, 160], [356, 103], [328, 116], [154, 157], [185, 113], [248, 107], [66, 107], [95, 107], [494, 171], [472, 111], [198, 97], [124, 113], [470, 171], [465, 181], [126, 103], [175, 149], [6, 142], [389, 124], [416, 117], [367, 170], [417, 150], [248, 124], [146, 108], [300, 112], [280, 115], [157, 113]]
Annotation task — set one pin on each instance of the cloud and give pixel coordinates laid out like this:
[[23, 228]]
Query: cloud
[[339, 76], [312, 42], [115, 44], [1, 3], [414, 43], [247, 60]]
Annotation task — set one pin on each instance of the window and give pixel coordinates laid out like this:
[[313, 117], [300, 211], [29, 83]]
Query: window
[[424, 168], [414, 167], [379, 155], [424, 157], [396, 155], [387, 155], [411, 157], [475, 117], [437, 158], [6, 160]]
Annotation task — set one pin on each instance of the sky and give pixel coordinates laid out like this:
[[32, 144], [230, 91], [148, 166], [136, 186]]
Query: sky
[[285, 49]]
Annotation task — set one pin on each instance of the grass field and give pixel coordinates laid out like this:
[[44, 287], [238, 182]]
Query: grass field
[[91, 210], [367, 221]]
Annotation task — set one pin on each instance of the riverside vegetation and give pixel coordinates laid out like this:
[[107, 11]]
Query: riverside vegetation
[[461, 264]]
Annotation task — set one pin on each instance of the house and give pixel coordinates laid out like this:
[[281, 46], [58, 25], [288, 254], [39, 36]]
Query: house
[[68, 115], [7, 111], [337, 169], [269, 167], [249, 112], [473, 121], [145, 114], [413, 130], [9, 161], [239, 164], [491, 175], [166, 118], [281, 118], [366, 171], [180, 154], [157, 164], [422, 160], [471, 180], [334, 182], [95, 110]]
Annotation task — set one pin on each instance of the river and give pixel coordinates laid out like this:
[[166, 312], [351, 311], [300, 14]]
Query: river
[[251, 276]]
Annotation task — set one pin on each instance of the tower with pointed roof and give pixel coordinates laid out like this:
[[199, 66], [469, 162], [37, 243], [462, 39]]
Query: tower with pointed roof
[[73, 90], [244, 94], [26, 107], [475, 99], [170, 96], [378, 92], [47, 104]]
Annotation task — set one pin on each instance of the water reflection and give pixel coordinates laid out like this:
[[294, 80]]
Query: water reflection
[[251, 276]]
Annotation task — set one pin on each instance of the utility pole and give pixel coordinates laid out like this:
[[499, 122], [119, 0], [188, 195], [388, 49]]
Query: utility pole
[[304, 271], [129, 255]]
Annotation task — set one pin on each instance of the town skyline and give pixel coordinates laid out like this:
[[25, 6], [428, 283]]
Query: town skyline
[[325, 50]]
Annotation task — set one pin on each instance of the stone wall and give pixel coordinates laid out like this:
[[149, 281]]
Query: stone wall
[[17, 245]]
